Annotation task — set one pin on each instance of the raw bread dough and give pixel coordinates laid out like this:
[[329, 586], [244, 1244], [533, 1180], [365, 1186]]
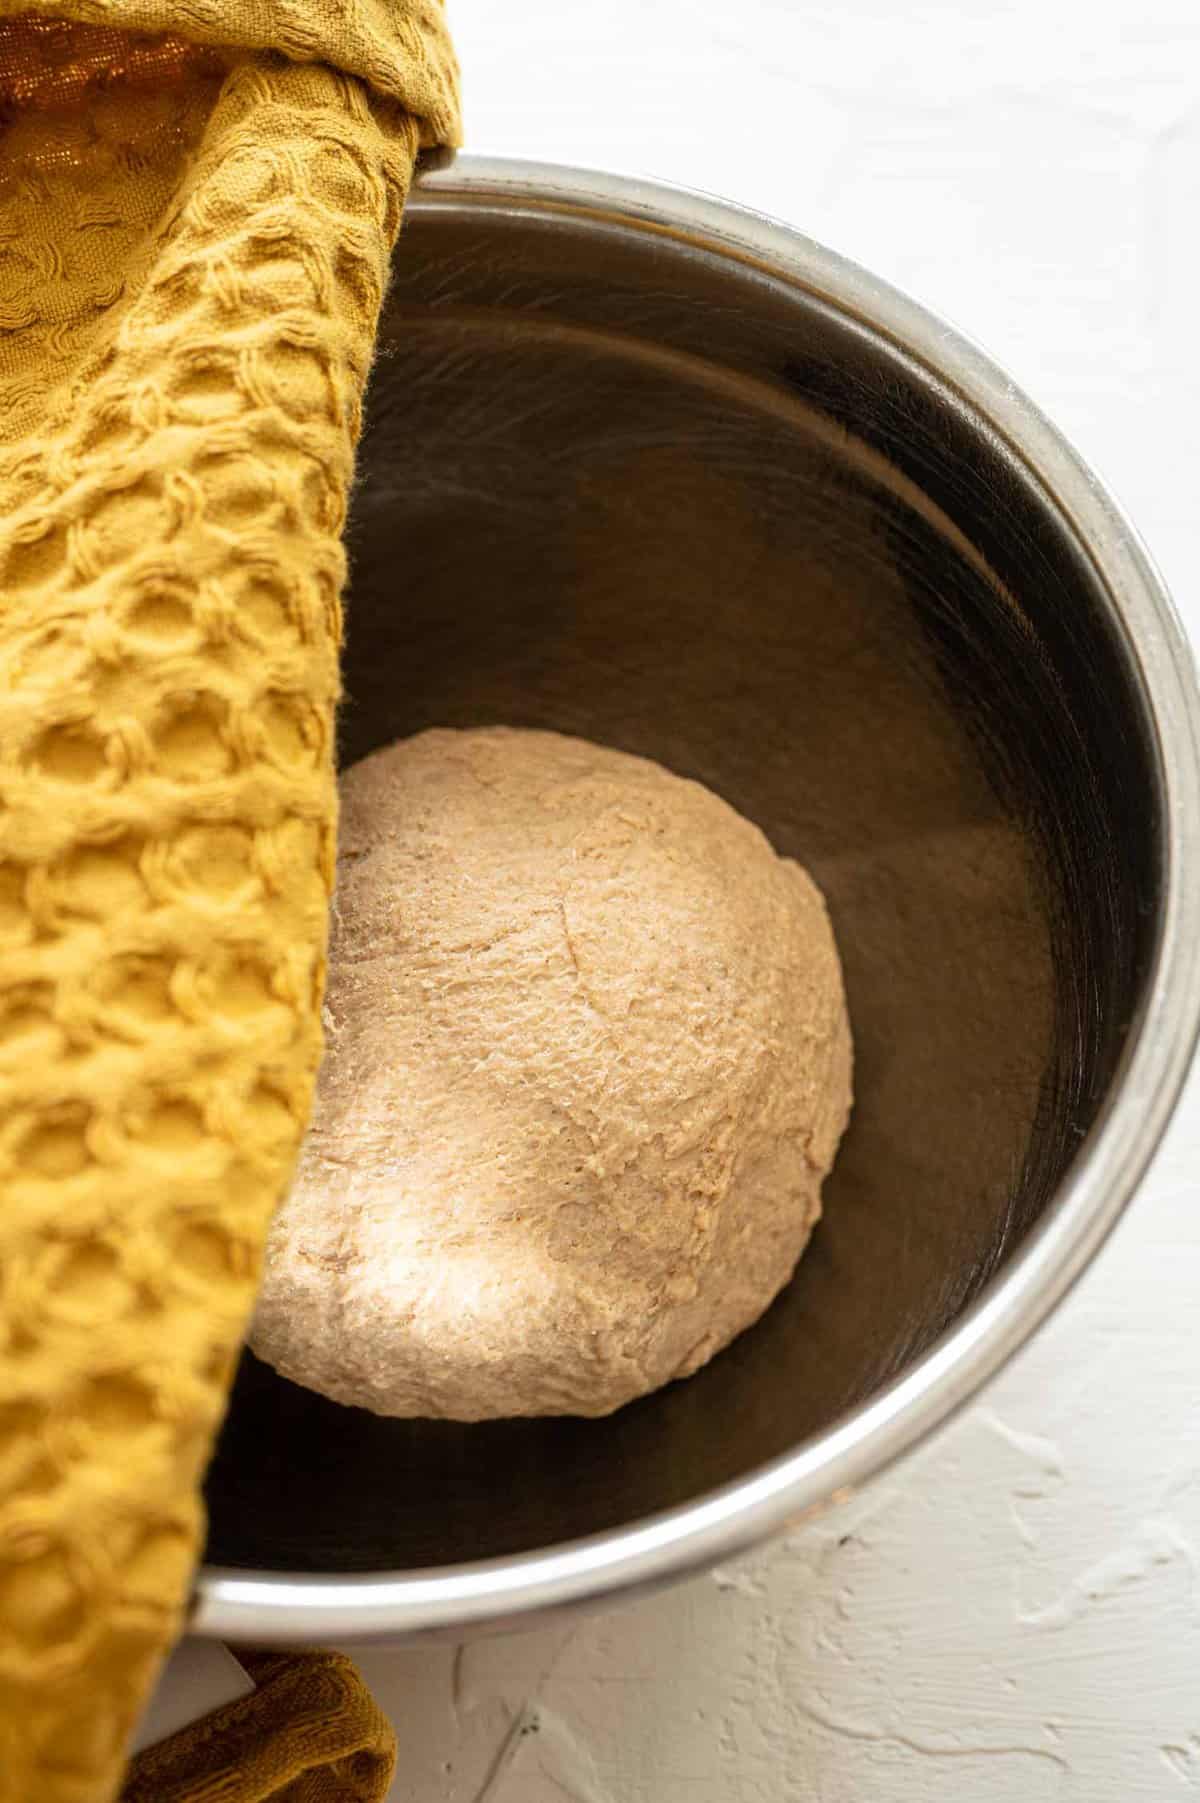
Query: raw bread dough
[[588, 1063]]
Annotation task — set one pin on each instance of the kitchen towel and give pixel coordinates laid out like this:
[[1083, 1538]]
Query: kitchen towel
[[197, 208], [310, 1733]]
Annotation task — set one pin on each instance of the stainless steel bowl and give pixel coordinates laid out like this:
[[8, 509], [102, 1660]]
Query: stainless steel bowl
[[645, 467]]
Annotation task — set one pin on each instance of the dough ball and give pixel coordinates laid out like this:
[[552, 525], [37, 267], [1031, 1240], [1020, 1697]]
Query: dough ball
[[588, 1062]]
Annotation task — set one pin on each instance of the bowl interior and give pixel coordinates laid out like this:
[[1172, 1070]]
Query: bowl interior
[[625, 487]]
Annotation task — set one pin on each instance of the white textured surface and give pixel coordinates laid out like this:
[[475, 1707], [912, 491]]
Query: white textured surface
[[203, 1676], [1016, 1614]]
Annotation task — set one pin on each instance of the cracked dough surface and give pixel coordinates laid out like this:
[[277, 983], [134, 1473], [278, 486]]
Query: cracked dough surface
[[588, 1062]]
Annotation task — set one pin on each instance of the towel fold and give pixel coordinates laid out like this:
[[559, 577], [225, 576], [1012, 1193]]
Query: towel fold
[[310, 1733]]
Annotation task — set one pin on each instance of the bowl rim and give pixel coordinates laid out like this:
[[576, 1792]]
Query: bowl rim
[[290, 1607]]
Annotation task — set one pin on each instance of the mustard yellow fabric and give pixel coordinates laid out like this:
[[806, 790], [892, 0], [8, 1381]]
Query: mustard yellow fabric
[[197, 204], [311, 1733]]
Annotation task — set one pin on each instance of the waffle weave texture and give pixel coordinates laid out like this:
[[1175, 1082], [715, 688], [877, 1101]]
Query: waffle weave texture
[[310, 1732], [197, 207]]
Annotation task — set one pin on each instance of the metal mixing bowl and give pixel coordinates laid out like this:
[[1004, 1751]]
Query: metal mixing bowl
[[647, 468]]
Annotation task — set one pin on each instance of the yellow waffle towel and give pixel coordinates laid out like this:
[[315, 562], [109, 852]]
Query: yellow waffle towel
[[197, 204], [310, 1733]]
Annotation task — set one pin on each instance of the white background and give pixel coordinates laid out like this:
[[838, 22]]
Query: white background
[[1015, 1615]]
